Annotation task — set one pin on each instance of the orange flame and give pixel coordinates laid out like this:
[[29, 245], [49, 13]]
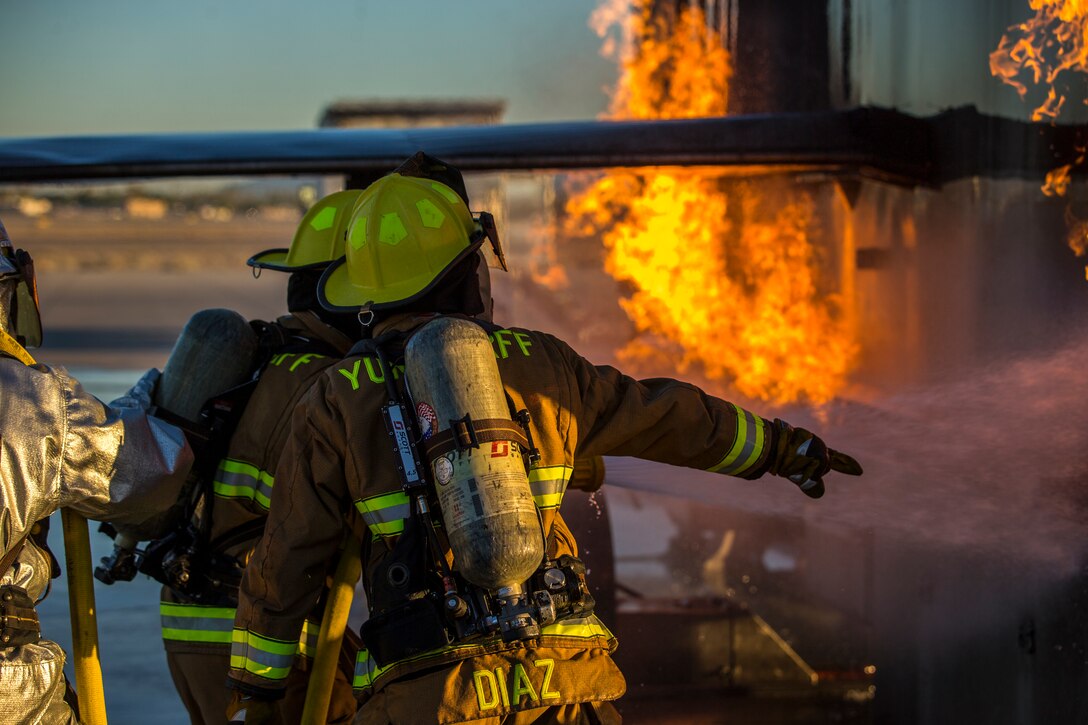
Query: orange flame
[[1044, 47], [1038, 51], [724, 279]]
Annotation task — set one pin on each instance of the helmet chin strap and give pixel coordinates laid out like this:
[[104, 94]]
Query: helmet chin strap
[[483, 276], [366, 318]]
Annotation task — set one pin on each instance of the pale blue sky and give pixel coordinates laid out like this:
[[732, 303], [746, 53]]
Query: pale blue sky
[[129, 66]]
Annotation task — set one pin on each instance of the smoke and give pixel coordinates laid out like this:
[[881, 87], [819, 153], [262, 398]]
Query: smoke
[[993, 464]]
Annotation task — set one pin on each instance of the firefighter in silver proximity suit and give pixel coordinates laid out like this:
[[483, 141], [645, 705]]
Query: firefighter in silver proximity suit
[[60, 447]]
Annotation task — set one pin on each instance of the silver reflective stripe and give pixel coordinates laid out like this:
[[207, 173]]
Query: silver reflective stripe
[[548, 483], [385, 514], [365, 670], [747, 446], [237, 479], [307, 643], [196, 623], [267, 659], [208, 624]]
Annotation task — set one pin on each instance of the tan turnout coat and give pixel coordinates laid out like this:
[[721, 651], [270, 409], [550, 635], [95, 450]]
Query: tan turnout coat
[[338, 460]]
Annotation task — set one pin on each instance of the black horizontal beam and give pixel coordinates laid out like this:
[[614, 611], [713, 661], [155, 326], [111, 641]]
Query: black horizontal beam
[[864, 142]]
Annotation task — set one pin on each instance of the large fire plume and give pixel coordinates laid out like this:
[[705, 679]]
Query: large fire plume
[[725, 278], [1042, 54]]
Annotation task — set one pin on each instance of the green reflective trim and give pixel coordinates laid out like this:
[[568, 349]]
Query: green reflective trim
[[262, 656], [357, 233], [307, 641], [173, 609], [430, 214], [550, 472], [367, 671], [324, 219], [747, 445], [548, 483], [385, 514], [548, 501], [583, 628], [385, 500], [391, 229], [196, 623], [237, 479], [194, 635]]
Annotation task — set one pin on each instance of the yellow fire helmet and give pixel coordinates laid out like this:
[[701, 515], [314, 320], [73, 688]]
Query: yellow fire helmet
[[319, 239], [404, 234]]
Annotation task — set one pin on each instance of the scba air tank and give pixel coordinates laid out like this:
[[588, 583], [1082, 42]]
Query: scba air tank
[[487, 506], [215, 351]]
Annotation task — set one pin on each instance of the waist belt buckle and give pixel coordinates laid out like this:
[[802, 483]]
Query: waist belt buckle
[[18, 618]]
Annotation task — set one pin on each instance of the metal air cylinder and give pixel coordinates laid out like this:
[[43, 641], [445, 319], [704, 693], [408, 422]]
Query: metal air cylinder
[[487, 507], [215, 351]]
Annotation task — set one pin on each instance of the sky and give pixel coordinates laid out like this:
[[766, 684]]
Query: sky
[[72, 67]]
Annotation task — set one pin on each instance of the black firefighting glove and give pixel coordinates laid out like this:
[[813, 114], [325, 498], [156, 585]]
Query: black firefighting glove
[[805, 459]]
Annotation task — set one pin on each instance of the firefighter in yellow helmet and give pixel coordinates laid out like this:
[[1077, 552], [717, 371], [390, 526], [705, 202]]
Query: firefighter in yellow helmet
[[63, 448], [439, 646], [201, 563]]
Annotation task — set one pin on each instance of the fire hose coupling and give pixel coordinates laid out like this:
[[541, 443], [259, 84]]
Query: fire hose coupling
[[18, 619]]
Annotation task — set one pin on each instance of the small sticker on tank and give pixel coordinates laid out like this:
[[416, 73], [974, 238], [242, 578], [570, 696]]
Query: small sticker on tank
[[428, 420], [443, 471]]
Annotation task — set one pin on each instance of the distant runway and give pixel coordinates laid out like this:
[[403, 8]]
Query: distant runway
[[129, 320]]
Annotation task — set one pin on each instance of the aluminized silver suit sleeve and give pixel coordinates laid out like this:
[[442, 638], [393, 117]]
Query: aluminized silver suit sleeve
[[61, 446], [121, 464]]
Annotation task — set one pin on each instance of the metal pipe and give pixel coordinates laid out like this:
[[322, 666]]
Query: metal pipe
[[864, 142]]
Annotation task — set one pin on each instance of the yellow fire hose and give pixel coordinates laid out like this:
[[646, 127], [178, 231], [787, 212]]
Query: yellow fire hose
[[77, 554], [333, 624]]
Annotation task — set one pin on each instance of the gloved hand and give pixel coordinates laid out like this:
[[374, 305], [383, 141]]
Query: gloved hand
[[139, 395], [805, 459], [254, 710]]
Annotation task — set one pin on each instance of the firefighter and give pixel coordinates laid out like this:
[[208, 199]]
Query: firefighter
[[439, 646], [62, 448], [197, 613]]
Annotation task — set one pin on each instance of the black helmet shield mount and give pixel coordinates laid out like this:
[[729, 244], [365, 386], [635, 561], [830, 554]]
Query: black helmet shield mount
[[22, 318]]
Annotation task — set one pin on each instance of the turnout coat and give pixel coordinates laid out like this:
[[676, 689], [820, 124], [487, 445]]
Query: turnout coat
[[338, 462]]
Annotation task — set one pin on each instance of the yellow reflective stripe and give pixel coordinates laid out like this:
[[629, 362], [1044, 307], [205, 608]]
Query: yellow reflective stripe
[[548, 500], [195, 635], [367, 671], [196, 623], [383, 501], [584, 628], [262, 656], [747, 445], [385, 514], [549, 472], [548, 483], [238, 479], [307, 641], [195, 610]]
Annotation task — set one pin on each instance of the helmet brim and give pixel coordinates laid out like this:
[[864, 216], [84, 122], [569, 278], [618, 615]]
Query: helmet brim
[[276, 259]]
